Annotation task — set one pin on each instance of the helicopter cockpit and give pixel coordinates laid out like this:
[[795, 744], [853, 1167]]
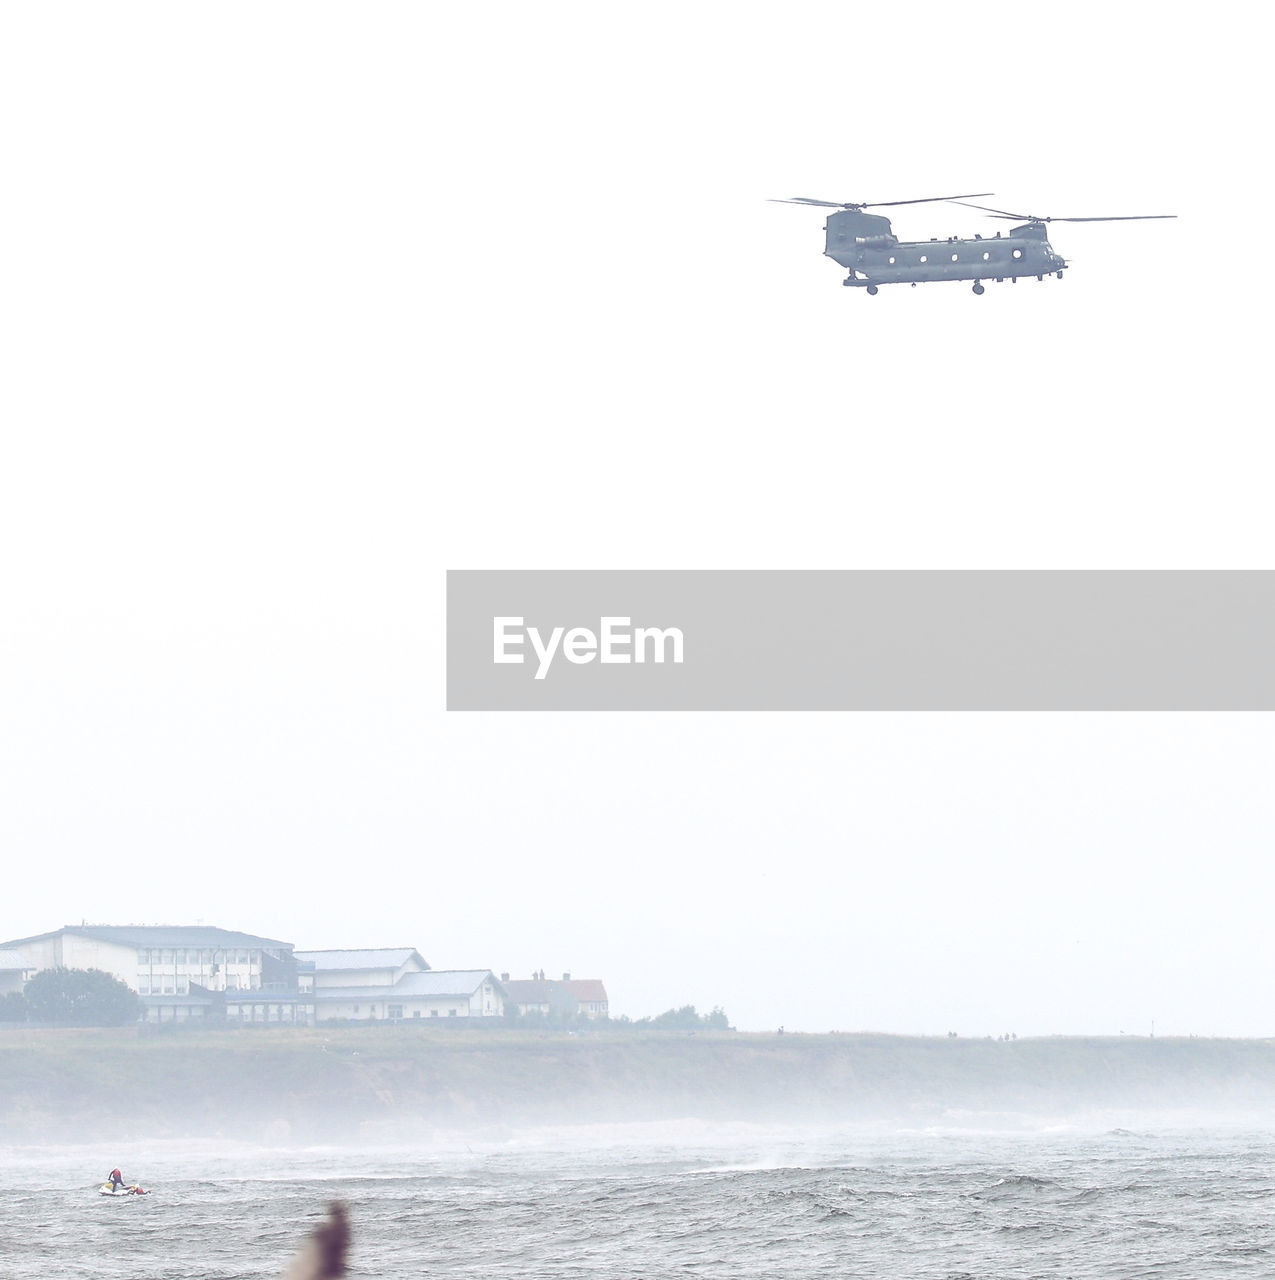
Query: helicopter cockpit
[[850, 230]]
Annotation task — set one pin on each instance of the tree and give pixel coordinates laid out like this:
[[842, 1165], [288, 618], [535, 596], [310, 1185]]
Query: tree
[[717, 1020], [81, 998], [683, 1019], [13, 1007], [687, 1019]]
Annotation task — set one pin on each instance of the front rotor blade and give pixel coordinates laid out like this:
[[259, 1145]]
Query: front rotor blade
[[825, 204], [884, 204]]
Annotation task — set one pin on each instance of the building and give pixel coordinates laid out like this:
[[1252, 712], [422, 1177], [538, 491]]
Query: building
[[188, 972], [550, 998], [15, 971], [395, 983], [537, 995], [590, 994], [376, 967], [414, 995], [183, 972]]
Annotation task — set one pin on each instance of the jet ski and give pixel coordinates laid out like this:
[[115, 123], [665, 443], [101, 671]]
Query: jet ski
[[110, 1189]]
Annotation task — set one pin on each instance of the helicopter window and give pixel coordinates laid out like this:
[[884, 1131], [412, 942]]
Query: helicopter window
[[1018, 253], [954, 256], [986, 256], [924, 258], [892, 260]]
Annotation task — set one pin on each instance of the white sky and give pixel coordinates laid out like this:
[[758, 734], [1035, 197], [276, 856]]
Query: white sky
[[304, 304]]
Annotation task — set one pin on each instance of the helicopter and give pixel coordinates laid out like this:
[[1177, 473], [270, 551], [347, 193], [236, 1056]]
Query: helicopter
[[865, 244]]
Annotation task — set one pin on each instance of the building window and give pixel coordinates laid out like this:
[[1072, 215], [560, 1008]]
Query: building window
[[143, 957], [416, 1013], [144, 987], [394, 1011], [451, 1013], [433, 1013]]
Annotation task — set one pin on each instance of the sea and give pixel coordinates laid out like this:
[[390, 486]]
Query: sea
[[1162, 1197]]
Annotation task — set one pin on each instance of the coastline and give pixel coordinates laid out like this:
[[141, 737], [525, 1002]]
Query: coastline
[[322, 1083]]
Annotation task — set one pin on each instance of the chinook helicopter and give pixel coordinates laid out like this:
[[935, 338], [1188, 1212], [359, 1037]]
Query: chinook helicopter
[[865, 244]]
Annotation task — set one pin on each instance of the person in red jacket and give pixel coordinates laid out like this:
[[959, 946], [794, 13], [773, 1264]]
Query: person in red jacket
[[116, 1179]]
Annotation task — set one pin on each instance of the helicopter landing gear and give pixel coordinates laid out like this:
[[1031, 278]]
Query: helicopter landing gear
[[1060, 275], [849, 282], [872, 291], [978, 286]]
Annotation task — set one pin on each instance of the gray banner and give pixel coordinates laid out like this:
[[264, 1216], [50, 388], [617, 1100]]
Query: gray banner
[[812, 640]]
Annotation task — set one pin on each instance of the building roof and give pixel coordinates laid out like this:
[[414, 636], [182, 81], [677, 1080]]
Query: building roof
[[433, 982], [587, 990], [375, 958], [541, 991], [11, 960], [531, 990], [160, 935]]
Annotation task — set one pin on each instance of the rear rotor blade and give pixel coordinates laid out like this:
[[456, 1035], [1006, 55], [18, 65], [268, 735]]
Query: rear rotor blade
[[868, 204], [1000, 213], [1031, 217], [1118, 217], [825, 204]]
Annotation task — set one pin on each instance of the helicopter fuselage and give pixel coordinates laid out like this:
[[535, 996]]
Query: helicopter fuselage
[[866, 246]]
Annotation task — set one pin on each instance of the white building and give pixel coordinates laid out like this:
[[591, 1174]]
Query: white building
[[372, 967], [185, 972], [415, 995], [182, 971]]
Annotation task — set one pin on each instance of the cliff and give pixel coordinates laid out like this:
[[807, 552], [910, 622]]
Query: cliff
[[321, 1083]]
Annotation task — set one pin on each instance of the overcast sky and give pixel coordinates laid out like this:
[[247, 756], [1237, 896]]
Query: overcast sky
[[303, 305]]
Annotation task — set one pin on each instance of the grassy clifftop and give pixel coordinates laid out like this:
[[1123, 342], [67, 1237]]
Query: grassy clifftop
[[317, 1082]]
